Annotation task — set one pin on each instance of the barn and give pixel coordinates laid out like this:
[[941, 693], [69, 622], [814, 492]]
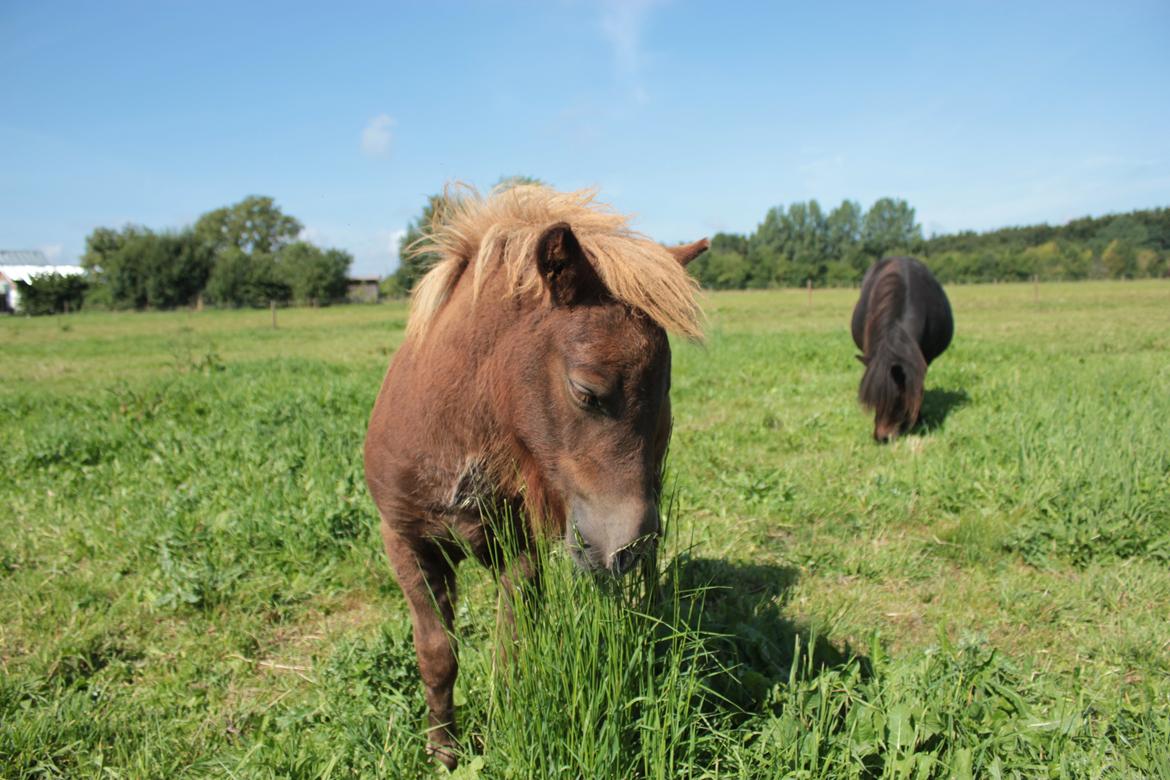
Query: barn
[[22, 265], [362, 289]]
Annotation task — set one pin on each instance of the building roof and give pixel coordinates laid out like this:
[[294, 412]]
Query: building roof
[[24, 273], [21, 265], [23, 257]]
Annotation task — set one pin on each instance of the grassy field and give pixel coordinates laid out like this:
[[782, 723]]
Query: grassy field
[[191, 583]]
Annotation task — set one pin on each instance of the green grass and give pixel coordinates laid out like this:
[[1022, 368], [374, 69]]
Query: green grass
[[192, 585]]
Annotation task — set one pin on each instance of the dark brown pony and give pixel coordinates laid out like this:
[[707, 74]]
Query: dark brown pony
[[901, 323], [533, 383]]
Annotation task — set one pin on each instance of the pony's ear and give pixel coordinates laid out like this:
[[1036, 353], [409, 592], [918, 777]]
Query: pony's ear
[[563, 266], [685, 253], [899, 376]]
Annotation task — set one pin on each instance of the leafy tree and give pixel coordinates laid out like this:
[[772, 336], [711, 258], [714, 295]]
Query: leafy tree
[[116, 283], [230, 280], [790, 246], [808, 242], [728, 242], [766, 247], [789, 273], [839, 273], [843, 236], [176, 267], [267, 281], [1043, 260], [724, 265], [889, 227], [723, 270], [239, 279], [763, 266], [243, 254], [103, 243], [52, 293], [1150, 263], [245, 238], [136, 267], [1077, 260], [314, 275], [254, 225], [1125, 230], [1119, 259]]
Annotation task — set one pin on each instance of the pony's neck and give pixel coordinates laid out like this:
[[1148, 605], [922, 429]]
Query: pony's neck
[[886, 305], [886, 339]]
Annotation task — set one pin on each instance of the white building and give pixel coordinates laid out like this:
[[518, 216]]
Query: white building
[[22, 266]]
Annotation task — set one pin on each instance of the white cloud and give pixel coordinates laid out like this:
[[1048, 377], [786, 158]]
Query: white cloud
[[821, 164], [377, 135], [621, 24]]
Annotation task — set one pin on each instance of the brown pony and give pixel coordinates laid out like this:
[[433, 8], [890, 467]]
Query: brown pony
[[901, 323], [533, 383]]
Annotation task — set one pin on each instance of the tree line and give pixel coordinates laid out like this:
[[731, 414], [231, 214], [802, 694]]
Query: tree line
[[799, 243], [250, 254], [245, 254], [1132, 245]]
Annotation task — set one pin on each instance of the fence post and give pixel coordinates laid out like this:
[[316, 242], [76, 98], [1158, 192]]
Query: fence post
[[272, 304], [810, 291]]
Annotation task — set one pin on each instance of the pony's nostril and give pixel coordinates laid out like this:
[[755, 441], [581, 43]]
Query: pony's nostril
[[623, 560]]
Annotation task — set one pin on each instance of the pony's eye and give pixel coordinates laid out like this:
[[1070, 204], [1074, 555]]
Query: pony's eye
[[584, 396]]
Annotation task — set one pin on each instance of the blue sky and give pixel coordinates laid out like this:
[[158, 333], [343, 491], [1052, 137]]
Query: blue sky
[[696, 116]]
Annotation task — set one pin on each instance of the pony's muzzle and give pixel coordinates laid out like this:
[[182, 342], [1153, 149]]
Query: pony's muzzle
[[612, 538], [886, 432]]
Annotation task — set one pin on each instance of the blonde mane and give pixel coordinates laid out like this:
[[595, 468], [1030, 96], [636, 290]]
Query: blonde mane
[[500, 232]]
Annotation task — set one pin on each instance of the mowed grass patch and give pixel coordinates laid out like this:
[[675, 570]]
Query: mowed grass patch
[[192, 582]]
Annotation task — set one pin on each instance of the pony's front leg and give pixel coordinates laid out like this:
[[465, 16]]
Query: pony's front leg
[[427, 579]]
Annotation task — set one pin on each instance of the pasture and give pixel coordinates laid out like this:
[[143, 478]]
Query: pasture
[[192, 584]]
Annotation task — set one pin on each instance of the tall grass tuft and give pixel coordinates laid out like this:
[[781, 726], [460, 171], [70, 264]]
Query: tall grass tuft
[[598, 678]]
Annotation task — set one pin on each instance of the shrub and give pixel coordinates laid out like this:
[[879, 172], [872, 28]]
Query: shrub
[[52, 293]]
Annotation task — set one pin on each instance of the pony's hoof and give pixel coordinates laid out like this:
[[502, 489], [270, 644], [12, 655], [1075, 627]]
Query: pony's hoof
[[444, 754]]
